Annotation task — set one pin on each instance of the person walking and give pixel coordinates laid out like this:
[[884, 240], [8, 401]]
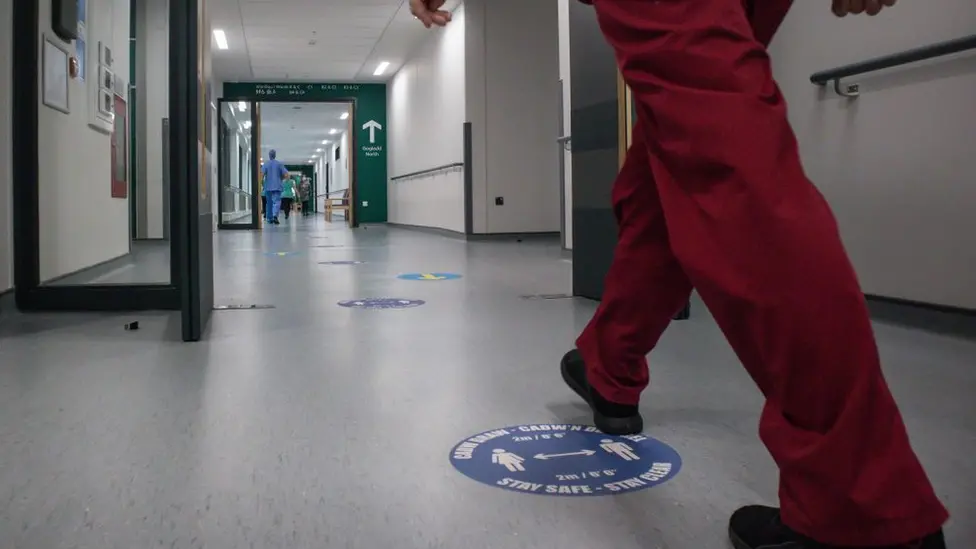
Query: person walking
[[712, 196], [287, 196], [304, 194], [274, 173]]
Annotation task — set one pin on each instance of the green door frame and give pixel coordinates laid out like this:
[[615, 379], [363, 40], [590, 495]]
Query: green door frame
[[367, 137]]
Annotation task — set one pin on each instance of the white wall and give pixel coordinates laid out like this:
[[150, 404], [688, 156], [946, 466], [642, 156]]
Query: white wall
[[80, 223], [340, 168], [426, 114], [6, 211], [896, 164], [512, 89], [153, 88], [566, 77]]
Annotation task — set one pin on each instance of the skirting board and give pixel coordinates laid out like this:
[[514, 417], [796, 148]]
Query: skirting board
[[923, 316], [7, 302], [88, 268], [476, 237]]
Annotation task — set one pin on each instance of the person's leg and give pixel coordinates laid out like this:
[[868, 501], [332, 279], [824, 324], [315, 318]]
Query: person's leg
[[643, 290], [763, 250], [264, 205], [275, 197], [286, 205]]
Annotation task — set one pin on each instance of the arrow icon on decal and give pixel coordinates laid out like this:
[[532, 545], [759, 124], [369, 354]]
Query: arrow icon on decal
[[550, 456], [372, 126], [428, 276]]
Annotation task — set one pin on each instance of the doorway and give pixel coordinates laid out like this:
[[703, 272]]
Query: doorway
[[84, 261], [238, 169], [313, 140]]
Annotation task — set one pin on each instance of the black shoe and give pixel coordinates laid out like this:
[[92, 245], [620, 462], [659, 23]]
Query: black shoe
[[609, 417], [758, 527]]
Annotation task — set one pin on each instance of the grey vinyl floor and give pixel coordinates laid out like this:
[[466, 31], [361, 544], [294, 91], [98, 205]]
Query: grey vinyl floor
[[314, 426]]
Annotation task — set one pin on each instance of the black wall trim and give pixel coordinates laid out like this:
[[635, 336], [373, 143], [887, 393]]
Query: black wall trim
[[908, 303], [468, 179], [24, 148], [430, 230], [476, 237], [940, 319], [91, 267]]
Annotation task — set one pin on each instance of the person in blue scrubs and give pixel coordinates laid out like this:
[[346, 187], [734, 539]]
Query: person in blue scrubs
[[274, 174]]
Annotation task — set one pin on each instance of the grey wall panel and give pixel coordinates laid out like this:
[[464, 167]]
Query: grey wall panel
[[595, 155]]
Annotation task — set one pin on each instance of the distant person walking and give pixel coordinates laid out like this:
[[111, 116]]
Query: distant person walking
[[274, 173], [288, 193], [304, 194]]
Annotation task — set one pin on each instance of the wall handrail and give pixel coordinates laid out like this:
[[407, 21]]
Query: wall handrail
[[450, 166], [924, 53], [236, 190]]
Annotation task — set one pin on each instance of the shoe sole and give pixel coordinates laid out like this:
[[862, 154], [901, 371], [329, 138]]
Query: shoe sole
[[737, 541], [739, 544], [610, 425]]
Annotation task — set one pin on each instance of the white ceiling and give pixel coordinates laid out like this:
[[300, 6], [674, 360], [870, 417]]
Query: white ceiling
[[296, 133], [322, 40]]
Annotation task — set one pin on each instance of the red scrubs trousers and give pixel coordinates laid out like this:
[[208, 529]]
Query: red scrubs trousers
[[712, 196]]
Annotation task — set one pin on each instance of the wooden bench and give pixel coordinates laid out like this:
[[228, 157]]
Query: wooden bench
[[340, 203]]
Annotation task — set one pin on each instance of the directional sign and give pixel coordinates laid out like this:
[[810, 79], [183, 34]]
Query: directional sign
[[429, 276], [565, 460], [372, 126], [381, 303]]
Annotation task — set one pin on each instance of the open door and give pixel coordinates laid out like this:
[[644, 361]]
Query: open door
[[193, 140], [256, 163], [351, 166], [237, 196]]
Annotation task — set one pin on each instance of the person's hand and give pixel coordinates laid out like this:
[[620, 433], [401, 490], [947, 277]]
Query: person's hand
[[870, 7], [429, 12]]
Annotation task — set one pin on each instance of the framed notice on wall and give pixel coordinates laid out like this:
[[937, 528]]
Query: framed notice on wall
[[120, 153], [55, 76]]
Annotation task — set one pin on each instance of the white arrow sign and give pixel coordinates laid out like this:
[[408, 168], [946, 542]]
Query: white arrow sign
[[550, 456], [372, 126]]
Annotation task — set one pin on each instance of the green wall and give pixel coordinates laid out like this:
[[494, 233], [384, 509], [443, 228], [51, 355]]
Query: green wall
[[368, 131]]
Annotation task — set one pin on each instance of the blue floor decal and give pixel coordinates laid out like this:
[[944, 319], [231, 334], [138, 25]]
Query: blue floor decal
[[381, 303], [429, 276], [341, 262], [281, 254], [565, 460]]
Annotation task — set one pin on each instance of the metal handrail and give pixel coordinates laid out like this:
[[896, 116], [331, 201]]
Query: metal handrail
[[428, 171], [915, 55], [236, 190], [331, 193]]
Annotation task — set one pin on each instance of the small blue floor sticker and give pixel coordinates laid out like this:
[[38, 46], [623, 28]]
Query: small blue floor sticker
[[382, 303], [565, 460], [341, 262], [280, 254], [429, 276]]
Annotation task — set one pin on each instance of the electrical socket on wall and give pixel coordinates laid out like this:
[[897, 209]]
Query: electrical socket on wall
[[499, 201]]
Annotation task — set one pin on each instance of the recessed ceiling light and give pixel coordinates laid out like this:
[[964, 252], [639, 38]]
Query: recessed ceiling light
[[333, 131], [318, 150], [381, 68], [221, 37], [344, 116], [325, 142]]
